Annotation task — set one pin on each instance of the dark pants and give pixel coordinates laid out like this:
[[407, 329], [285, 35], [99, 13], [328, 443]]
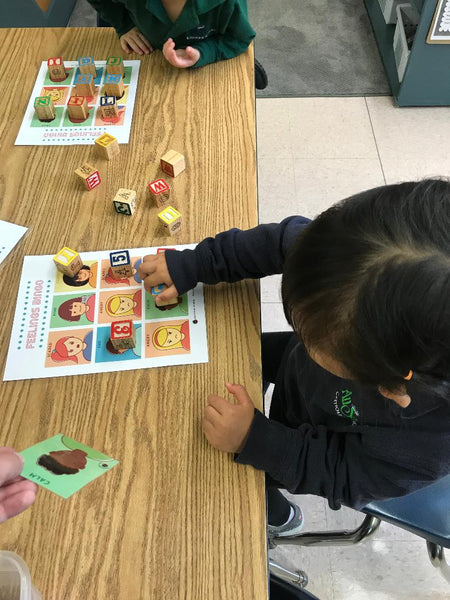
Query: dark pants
[[273, 346]]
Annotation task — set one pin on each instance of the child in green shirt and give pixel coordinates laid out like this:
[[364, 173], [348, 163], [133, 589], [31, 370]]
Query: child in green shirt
[[190, 33]]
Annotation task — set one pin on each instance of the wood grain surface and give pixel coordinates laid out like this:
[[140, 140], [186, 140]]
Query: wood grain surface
[[175, 519]]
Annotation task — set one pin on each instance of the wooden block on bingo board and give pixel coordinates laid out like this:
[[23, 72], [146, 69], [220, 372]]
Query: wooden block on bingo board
[[120, 264], [86, 66], [114, 85], [123, 335], [89, 176], [158, 289], [171, 220], [107, 146], [84, 85], [173, 163], [108, 107], [56, 69], [44, 108], [114, 65], [78, 108], [68, 261], [125, 201], [159, 192]]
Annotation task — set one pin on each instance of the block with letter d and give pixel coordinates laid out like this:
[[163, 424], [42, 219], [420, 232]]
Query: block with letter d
[[123, 335], [86, 66], [170, 219], [68, 261], [121, 264]]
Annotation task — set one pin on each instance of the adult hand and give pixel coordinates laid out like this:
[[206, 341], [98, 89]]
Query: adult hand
[[182, 58], [226, 425], [153, 271], [16, 493], [134, 41]]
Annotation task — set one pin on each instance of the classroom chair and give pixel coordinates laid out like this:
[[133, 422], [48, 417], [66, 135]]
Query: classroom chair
[[282, 590], [426, 513]]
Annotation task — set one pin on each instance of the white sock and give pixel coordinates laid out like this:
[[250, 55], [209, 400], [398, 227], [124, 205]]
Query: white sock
[[291, 514]]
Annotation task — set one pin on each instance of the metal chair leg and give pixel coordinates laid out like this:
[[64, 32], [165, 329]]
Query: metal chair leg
[[437, 557], [299, 578], [330, 538]]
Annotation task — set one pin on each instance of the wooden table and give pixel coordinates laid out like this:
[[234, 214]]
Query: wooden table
[[176, 518]]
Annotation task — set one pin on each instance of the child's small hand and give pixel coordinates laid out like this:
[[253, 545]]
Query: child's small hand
[[226, 425], [16, 493], [153, 271], [134, 41], [183, 58]]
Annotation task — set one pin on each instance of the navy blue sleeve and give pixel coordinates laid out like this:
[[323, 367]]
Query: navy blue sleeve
[[350, 468], [235, 255]]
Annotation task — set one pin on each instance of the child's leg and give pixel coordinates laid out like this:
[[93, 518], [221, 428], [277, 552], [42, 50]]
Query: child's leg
[[273, 346], [278, 507]]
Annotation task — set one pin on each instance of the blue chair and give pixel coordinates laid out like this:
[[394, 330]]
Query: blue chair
[[426, 513]]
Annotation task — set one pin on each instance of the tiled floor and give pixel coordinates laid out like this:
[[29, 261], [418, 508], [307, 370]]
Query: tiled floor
[[314, 152]]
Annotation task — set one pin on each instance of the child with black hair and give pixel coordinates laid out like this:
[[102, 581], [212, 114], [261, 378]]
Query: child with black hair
[[361, 404], [190, 33]]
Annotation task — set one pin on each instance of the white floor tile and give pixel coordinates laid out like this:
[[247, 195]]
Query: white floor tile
[[271, 289], [272, 128], [273, 318]]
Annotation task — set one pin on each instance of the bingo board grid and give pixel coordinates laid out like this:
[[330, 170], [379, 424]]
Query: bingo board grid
[[63, 131]]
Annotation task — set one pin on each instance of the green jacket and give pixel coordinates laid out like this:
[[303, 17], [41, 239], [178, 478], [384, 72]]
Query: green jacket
[[218, 29]]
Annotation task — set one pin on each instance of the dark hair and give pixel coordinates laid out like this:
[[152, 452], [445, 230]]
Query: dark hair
[[368, 282], [73, 281]]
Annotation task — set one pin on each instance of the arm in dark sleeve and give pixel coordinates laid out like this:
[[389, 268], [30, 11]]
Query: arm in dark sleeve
[[115, 14], [234, 38], [234, 255], [350, 468]]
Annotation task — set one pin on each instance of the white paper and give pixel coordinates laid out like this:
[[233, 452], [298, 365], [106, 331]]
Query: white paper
[[45, 344], [10, 234]]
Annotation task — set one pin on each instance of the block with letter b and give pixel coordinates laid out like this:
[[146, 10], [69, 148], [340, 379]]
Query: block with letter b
[[123, 335], [159, 192], [171, 220], [114, 65], [125, 201], [121, 264], [68, 261], [56, 69]]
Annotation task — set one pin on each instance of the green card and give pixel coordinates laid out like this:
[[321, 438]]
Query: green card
[[63, 465]]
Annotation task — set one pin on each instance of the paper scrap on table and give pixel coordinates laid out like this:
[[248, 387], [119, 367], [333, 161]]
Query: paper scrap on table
[[10, 234], [63, 465]]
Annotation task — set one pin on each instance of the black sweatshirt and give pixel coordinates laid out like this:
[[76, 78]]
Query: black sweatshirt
[[326, 435]]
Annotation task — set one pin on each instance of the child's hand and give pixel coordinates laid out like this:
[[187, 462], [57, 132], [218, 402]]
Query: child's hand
[[134, 41], [153, 271], [16, 493], [226, 425], [183, 58]]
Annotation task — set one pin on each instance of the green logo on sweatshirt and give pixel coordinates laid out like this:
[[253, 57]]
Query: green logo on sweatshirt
[[344, 406]]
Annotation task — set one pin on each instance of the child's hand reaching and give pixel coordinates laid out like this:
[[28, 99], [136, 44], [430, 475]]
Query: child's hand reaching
[[182, 58], [226, 425], [16, 493], [134, 41], [153, 271]]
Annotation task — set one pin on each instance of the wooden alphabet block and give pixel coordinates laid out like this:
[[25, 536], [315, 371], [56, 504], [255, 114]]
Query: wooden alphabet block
[[159, 192], [107, 146], [173, 163], [77, 108], [171, 220], [86, 66], [114, 85], [121, 264], [114, 65], [84, 85], [88, 175], [56, 69], [125, 201], [123, 335], [158, 289], [68, 261], [44, 108], [108, 107]]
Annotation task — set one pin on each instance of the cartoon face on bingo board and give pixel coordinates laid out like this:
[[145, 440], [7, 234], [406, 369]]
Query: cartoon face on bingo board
[[107, 279], [85, 279], [105, 351], [72, 310], [119, 305], [178, 308], [166, 338], [69, 347]]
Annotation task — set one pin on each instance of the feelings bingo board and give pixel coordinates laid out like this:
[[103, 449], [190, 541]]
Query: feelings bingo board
[[64, 130], [62, 325]]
